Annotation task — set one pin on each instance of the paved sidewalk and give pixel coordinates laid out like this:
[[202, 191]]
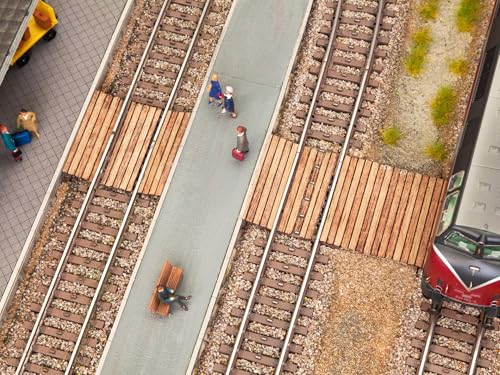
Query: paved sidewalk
[[54, 84], [201, 207]]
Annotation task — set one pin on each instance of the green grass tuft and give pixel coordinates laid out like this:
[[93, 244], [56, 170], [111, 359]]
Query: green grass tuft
[[416, 58], [390, 135], [429, 9], [437, 151], [443, 106], [458, 67], [468, 14]]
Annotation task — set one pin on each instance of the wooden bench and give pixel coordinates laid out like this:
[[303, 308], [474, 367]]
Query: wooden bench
[[170, 277]]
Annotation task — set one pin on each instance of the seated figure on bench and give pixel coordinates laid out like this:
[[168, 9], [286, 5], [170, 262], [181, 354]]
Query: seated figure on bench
[[167, 295]]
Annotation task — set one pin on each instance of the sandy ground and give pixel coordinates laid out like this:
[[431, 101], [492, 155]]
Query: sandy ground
[[409, 105], [370, 295]]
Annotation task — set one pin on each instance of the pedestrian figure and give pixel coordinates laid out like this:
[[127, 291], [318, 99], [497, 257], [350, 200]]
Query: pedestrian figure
[[167, 295], [215, 91], [229, 102], [241, 139], [9, 143], [27, 120]]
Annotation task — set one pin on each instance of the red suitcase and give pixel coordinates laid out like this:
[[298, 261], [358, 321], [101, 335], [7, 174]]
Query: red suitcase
[[238, 155]]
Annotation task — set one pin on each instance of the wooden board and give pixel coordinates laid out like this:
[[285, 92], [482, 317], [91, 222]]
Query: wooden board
[[92, 135], [384, 211], [261, 180], [131, 146], [376, 209]]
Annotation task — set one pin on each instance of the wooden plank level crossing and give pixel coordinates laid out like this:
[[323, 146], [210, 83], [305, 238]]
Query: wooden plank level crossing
[[131, 146], [376, 209]]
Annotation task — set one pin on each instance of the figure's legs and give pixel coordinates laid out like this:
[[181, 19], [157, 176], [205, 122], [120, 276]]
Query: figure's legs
[[183, 305], [183, 298]]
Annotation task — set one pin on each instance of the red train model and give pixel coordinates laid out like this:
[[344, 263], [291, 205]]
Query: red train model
[[464, 261]]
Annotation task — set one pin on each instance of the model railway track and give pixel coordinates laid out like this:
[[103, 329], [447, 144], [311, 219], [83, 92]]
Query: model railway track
[[436, 350], [95, 243], [274, 313], [340, 85], [171, 45]]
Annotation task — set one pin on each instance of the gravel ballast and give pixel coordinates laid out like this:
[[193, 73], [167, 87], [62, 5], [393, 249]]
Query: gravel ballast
[[19, 311]]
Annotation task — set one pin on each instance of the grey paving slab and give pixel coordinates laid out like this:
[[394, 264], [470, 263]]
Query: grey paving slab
[[54, 85], [201, 207]]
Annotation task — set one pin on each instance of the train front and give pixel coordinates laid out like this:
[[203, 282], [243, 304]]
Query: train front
[[464, 265]]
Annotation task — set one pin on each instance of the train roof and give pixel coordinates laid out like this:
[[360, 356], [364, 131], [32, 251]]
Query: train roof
[[480, 201], [14, 16]]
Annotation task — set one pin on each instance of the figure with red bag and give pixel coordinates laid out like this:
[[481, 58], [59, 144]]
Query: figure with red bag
[[241, 148]]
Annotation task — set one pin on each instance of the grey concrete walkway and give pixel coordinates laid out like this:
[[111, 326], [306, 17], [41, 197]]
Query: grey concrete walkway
[[207, 190], [54, 85]]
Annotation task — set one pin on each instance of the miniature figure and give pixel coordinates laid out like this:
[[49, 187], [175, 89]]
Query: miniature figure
[[167, 295], [27, 120], [215, 91], [241, 139], [229, 102], [8, 141]]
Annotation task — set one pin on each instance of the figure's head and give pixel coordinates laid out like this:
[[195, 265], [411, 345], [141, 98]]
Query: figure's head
[[160, 288], [23, 110], [3, 128], [241, 129], [215, 77], [229, 90]]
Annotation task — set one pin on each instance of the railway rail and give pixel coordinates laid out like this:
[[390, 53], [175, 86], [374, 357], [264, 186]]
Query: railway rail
[[442, 327], [341, 83], [72, 298], [267, 350]]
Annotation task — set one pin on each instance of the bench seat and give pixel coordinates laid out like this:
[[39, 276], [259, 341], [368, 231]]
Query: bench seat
[[170, 276]]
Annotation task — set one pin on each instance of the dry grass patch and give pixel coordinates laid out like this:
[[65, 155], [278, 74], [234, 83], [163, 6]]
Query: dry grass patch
[[429, 9], [467, 14], [437, 151], [443, 105], [458, 67], [390, 135], [415, 60]]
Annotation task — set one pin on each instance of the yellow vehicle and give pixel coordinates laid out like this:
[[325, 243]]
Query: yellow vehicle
[[40, 26]]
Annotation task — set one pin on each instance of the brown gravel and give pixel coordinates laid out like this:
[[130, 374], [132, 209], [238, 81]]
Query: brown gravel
[[369, 297]]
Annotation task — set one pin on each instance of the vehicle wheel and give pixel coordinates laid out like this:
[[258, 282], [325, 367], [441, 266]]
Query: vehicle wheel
[[23, 60], [51, 34]]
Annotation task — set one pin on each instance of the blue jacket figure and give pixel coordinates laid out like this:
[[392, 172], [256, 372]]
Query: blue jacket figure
[[167, 295], [229, 102], [9, 143], [215, 91]]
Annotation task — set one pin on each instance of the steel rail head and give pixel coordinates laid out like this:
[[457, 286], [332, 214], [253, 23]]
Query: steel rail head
[[480, 330], [338, 166], [135, 191], [90, 192], [274, 228], [180, 75], [433, 317]]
